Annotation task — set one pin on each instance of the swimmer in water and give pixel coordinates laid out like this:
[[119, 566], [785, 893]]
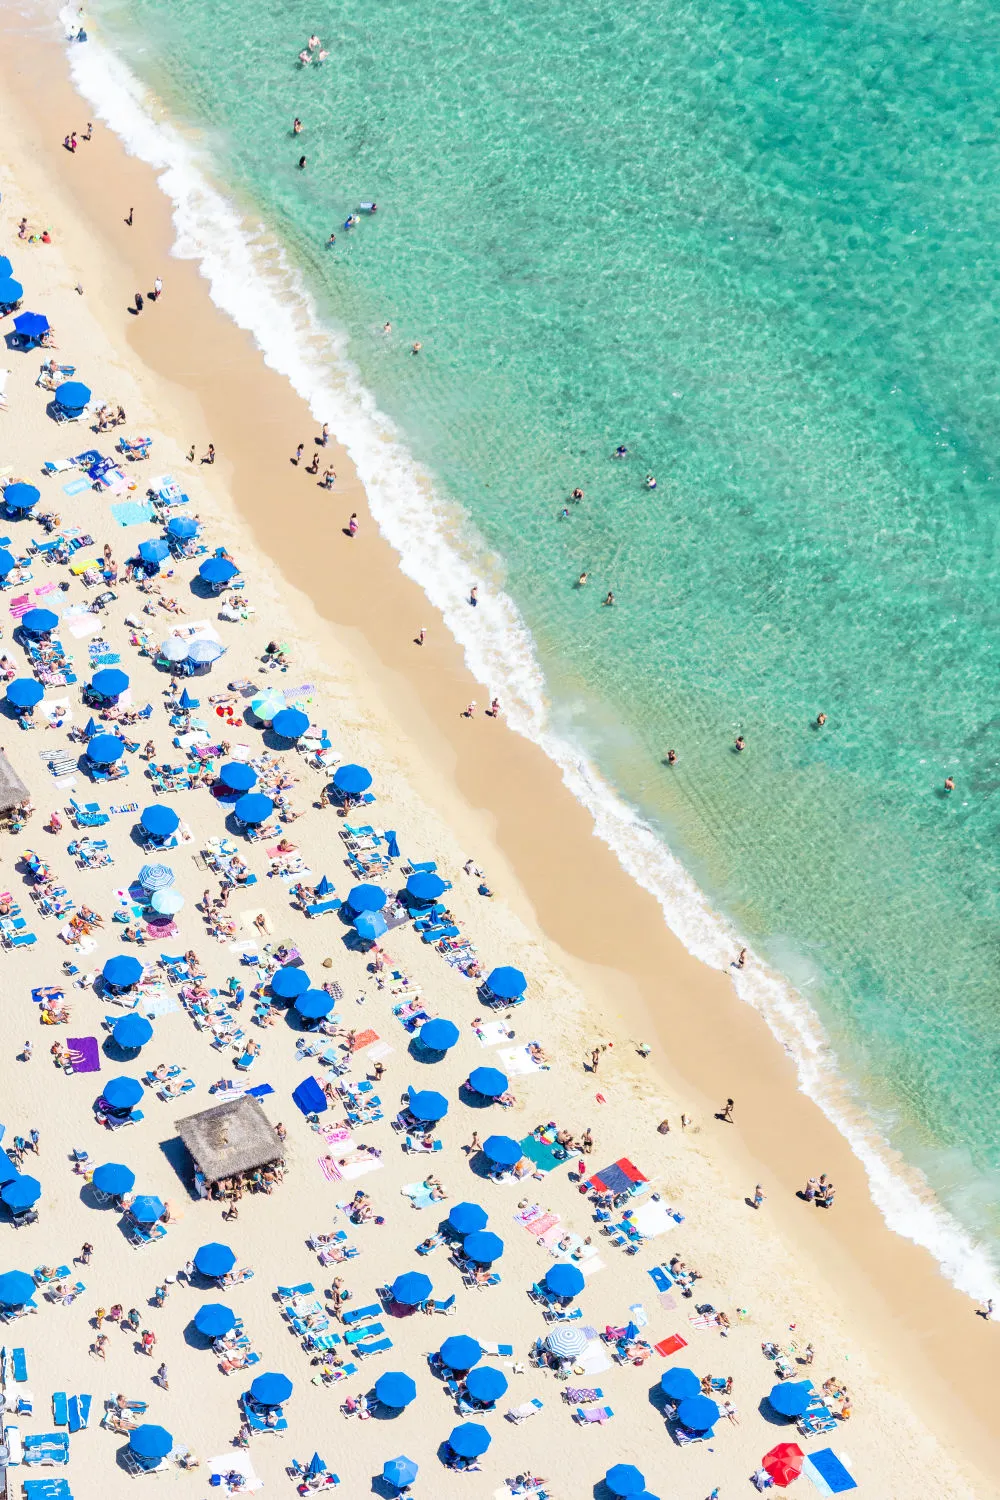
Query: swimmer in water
[[581, 582], [474, 595], [577, 495], [671, 757], [820, 720], [305, 57], [302, 163], [386, 327], [565, 514], [621, 451], [609, 599], [949, 783], [331, 241], [416, 348], [739, 743], [313, 42], [296, 126], [651, 481]]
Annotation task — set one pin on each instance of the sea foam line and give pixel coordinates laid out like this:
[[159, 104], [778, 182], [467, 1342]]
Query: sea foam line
[[252, 280]]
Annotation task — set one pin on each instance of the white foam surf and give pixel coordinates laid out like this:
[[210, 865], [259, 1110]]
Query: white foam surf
[[251, 279]]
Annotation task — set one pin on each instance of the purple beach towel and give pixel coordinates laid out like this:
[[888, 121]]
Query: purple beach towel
[[85, 1054]]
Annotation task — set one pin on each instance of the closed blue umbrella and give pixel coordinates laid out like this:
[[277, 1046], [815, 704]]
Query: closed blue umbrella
[[123, 1092], [214, 1260], [391, 846], [438, 1035], [484, 1247], [11, 291], [395, 1389], [216, 570], [156, 877], [39, 621], [289, 982], [132, 1031], [680, 1383], [502, 1150], [467, 1218], [412, 1288], [154, 551], [31, 325], [187, 702], [105, 749], [16, 1288], [698, 1413], [147, 1209], [150, 1442], [237, 776], [159, 820], [400, 1472], [24, 692], [367, 898], [625, 1480], [489, 1082], [427, 1105], [113, 1179], [460, 1352], [565, 1280], [290, 723], [203, 651], [424, 885], [122, 971], [271, 1389], [790, 1397], [254, 808], [22, 497], [21, 1193], [370, 925], [214, 1320], [7, 563], [506, 983], [91, 728], [313, 1005], [325, 887], [485, 1384], [72, 395], [352, 780], [469, 1440], [110, 683], [184, 528]]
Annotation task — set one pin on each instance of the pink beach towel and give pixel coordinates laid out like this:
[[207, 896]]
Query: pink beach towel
[[329, 1168]]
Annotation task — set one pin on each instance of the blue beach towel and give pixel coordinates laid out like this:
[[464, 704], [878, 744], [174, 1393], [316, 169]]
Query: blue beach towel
[[76, 486], [827, 1473], [129, 513]]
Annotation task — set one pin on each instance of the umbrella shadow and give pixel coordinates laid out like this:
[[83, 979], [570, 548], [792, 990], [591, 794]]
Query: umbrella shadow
[[480, 1165], [381, 1486], [91, 1198], [472, 1100], [115, 1052], [196, 1340], [774, 1418], [424, 1055], [177, 1157]]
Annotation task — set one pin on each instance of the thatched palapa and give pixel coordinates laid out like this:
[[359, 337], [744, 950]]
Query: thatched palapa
[[12, 789], [231, 1138]]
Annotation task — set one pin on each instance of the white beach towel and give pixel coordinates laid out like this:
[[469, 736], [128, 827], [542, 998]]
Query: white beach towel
[[517, 1060], [653, 1219], [492, 1033]]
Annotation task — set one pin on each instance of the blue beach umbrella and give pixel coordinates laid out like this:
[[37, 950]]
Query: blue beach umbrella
[[460, 1352], [438, 1035], [790, 1397], [367, 898], [16, 1288], [31, 325], [39, 621], [72, 395], [174, 648], [290, 723], [237, 776], [424, 885], [11, 291], [203, 651], [325, 887], [395, 1389], [187, 702], [271, 1389], [625, 1480], [485, 1384], [427, 1105], [214, 1260], [698, 1413], [24, 692], [7, 563], [269, 703], [566, 1341], [123, 1092], [214, 1320], [680, 1383], [156, 877], [132, 1031], [150, 1442], [154, 551], [254, 808], [400, 1472], [467, 1218], [370, 925], [91, 728], [506, 983], [352, 780], [412, 1288], [166, 903], [184, 528], [104, 749], [565, 1280], [216, 570], [484, 1247], [489, 1082], [289, 982], [122, 971], [317, 1465], [22, 497], [109, 683], [21, 1193], [6, 268], [313, 1005], [469, 1440], [159, 821], [113, 1179], [391, 846], [147, 1209], [502, 1150]]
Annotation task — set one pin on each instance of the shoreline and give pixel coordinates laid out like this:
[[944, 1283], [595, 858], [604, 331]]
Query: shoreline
[[494, 786]]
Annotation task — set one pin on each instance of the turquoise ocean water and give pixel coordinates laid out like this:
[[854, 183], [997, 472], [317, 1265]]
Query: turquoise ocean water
[[758, 245]]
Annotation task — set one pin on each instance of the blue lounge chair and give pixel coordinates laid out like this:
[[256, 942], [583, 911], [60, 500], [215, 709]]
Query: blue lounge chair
[[79, 1412], [60, 1414], [359, 1314], [378, 1347], [355, 1336], [46, 1448]]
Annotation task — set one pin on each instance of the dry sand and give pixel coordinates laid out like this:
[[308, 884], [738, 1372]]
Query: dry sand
[[875, 1308]]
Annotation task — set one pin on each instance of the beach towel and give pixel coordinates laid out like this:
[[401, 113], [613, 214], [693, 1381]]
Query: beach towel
[[46, 588], [517, 1060], [76, 486], [828, 1473], [492, 1033], [158, 1002], [364, 1039], [419, 1195], [653, 1219], [670, 1345], [329, 1168], [541, 1153], [668, 1301], [338, 1137], [233, 1463], [85, 1054], [129, 513]]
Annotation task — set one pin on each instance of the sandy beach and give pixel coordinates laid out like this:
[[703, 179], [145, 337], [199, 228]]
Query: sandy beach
[[601, 967]]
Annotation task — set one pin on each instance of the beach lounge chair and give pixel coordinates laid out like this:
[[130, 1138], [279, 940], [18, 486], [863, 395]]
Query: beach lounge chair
[[518, 1414], [815, 1420], [79, 1412], [378, 1347], [447, 1306], [14, 1444], [60, 1412], [19, 1365], [46, 1448], [588, 1415], [359, 1314], [355, 1336]]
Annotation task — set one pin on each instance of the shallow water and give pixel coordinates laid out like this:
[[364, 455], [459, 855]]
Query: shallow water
[[758, 246]]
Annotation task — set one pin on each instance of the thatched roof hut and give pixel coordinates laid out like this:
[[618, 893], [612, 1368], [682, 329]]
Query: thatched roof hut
[[12, 789], [230, 1138]]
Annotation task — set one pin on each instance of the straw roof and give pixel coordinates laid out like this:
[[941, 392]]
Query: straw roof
[[230, 1138], [12, 789]]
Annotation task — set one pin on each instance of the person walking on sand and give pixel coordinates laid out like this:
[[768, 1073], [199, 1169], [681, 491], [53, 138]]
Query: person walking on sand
[[161, 1378], [494, 709], [128, 220], [88, 133], [138, 303], [985, 1310], [86, 1251], [726, 1114], [352, 525], [421, 635], [470, 710], [157, 289], [26, 1052], [740, 962], [100, 1346], [758, 1196], [99, 1315], [298, 453]]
